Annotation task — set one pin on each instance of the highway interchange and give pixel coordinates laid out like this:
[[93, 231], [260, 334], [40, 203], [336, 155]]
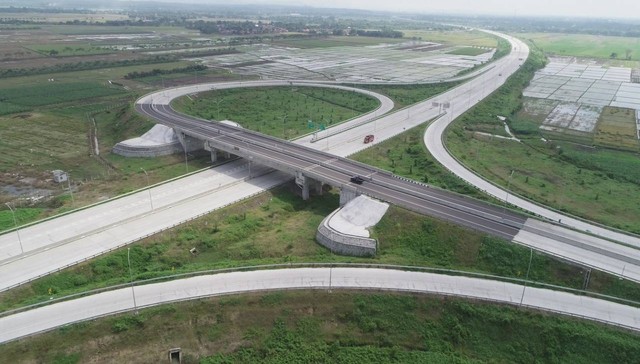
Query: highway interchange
[[554, 239]]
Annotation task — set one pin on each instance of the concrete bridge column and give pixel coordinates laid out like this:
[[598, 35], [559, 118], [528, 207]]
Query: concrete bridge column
[[347, 194], [189, 143], [214, 151], [303, 182], [319, 186], [305, 191]]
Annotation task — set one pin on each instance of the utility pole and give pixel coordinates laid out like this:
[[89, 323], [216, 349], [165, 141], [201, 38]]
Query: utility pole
[[15, 223], [133, 292], [73, 202], [148, 187], [284, 135], [186, 144], [526, 280], [506, 200]]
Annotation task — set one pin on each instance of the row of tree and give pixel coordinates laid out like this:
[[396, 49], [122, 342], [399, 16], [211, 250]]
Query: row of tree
[[157, 71], [82, 66]]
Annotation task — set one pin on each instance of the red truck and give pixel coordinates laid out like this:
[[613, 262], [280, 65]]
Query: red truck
[[368, 139]]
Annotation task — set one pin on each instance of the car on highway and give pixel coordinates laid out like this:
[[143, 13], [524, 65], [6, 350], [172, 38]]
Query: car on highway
[[357, 180], [368, 139]]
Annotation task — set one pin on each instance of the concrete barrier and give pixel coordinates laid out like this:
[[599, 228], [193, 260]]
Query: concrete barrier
[[344, 244]]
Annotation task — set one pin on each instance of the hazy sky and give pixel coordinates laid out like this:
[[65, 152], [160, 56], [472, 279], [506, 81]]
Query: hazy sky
[[590, 8]]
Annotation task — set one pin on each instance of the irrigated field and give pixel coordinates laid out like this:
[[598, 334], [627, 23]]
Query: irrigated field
[[617, 129]]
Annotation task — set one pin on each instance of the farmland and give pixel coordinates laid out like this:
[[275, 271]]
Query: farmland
[[336, 42], [54, 93], [603, 192], [587, 46], [468, 51], [63, 50], [617, 129], [454, 37]]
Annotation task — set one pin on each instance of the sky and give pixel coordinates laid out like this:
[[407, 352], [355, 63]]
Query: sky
[[578, 8]]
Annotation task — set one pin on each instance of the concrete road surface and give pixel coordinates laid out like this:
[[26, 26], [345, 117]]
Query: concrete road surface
[[122, 300], [64, 241]]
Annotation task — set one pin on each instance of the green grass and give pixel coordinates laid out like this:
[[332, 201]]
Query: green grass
[[406, 95], [604, 191], [96, 76], [336, 42], [50, 93], [23, 215], [583, 45], [56, 138], [468, 51], [68, 50], [454, 37], [263, 109], [337, 327], [279, 227], [407, 156]]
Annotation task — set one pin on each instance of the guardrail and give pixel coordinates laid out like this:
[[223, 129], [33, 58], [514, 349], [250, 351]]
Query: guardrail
[[113, 198], [130, 241], [451, 272], [443, 138]]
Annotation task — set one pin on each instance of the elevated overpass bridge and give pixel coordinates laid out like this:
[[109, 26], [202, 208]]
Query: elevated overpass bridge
[[312, 168]]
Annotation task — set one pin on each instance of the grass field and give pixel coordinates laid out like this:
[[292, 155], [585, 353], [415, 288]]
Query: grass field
[[29, 97], [335, 41], [468, 51], [584, 45], [617, 129], [454, 37], [264, 109], [279, 227], [337, 327], [410, 94], [68, 50], [542, 171], [62, 17]]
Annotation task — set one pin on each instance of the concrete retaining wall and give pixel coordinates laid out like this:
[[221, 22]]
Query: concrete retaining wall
[[343, 244], [147, 151]]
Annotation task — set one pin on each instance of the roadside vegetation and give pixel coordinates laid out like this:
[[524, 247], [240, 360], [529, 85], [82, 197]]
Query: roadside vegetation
[[279, 227], [468, 51], [593, 183], [275, 227], [454, 36], [405, 95], [322, 327]]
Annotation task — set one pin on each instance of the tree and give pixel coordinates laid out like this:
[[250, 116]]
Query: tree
[[627, 53], [613, 55]]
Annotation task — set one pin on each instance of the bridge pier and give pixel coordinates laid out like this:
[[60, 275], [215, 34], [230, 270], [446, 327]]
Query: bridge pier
[[212, 150], [319, 186], [306, 183], [347, 194], [189, 143]]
